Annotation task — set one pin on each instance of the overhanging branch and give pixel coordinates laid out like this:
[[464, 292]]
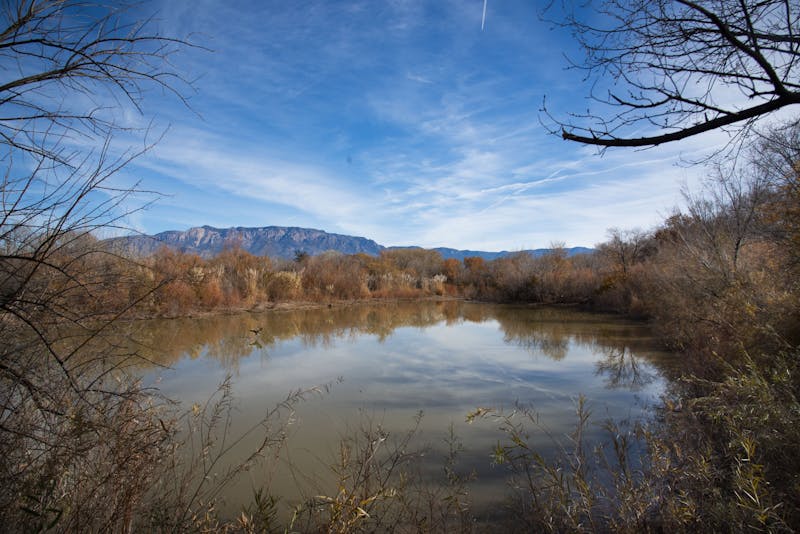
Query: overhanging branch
[[683, 133]]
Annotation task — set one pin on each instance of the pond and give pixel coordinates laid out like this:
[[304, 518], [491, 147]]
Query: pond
[[382, 365]]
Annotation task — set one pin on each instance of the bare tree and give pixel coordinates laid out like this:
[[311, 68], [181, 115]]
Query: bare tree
[[679, 68], [775, 162], [63, 59], [746, 200], [725, 218], [78, 439], [626, 248]]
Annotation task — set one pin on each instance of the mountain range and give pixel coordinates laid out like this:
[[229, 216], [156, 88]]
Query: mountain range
[[279, 242]]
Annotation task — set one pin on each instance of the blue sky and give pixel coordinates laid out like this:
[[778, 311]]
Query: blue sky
[[401, 121]]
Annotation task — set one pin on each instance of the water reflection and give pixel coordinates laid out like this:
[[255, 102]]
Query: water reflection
[[228, 338], [396, 359], [622, 369], [540, 331]]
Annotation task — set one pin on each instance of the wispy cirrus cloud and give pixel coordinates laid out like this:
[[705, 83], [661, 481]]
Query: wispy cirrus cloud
[[401, 121], [254, 174]]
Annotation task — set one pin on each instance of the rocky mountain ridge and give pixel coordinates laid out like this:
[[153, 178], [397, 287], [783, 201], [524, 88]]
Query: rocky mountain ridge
[[277, 242]]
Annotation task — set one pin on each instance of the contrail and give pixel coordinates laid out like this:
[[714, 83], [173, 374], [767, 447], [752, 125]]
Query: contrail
[[483, 19]]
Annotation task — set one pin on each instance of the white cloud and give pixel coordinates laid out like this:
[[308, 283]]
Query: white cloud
[[431, 138], [252, 173]]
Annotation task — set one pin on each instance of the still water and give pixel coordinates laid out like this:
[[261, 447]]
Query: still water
[[387, 363]]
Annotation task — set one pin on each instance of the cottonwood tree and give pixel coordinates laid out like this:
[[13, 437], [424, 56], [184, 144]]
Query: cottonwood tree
[[726, 217], [625, 248], [745, 203], [678, 68], [775, 163]]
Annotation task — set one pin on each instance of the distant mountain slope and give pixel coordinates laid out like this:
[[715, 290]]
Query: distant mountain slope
[[279, 242], [461, 254], [273, 241]]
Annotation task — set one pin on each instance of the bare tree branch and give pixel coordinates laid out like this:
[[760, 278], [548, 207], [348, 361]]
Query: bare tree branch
[[51, 49], [678, 68]]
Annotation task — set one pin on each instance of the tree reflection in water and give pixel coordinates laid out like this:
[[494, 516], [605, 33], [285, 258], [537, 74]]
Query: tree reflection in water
[[622, 369], [547, 332]]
